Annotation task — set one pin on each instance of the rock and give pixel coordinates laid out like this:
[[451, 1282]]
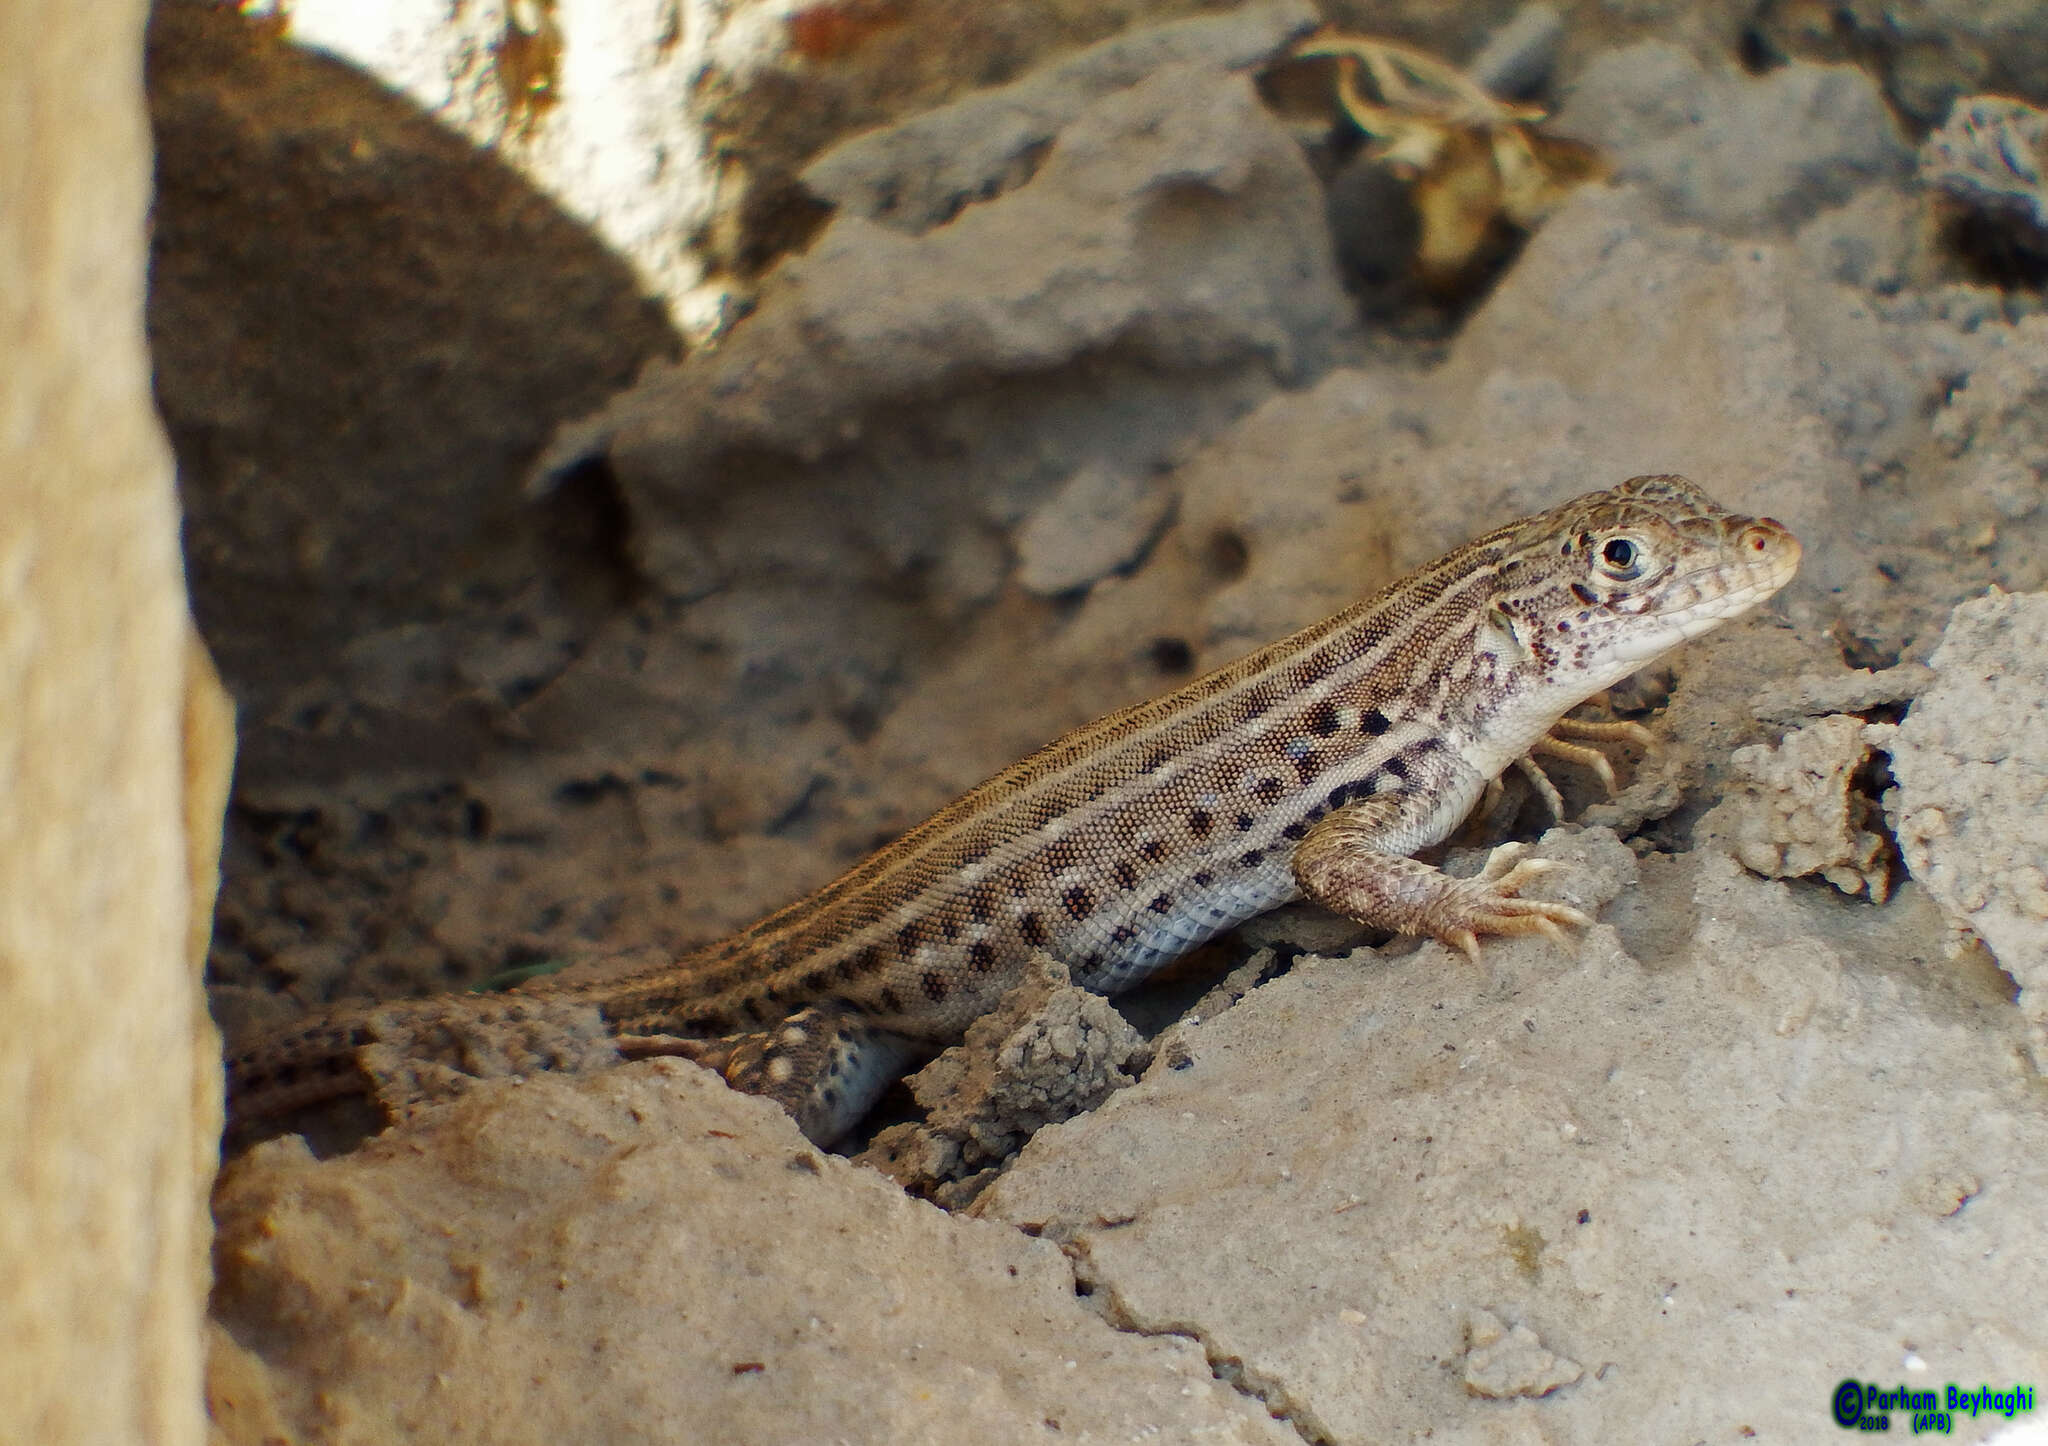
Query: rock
[[924, 171], [1989, 157], [647, 1256], [1518, 56], [1736, 153], [1927, 52], [1100, 523], [115, 749], [1971, 804], [1048, 1052], [1502, 1361], [371, 280], [1590, 1143], [1175, 225], [1793, 810], [1812, 695], [1999, 418]]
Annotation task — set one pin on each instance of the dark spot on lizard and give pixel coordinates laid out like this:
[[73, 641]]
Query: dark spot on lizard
[[1244, 823], [1199, 823], [1126, 876], [1294, 830], [935, 985], [1373, 723], [1032, 928], [1322, 719], [950, 928], [1153, 850], [981, 958], [891, 1001], [1343, 794], [907, 939], [1252, 858], [1123, 934], [1080, 903], [1204, 879], [1308, 765], [1398, 767], [1269, 789], [980, 904], [1585, 594], [1162, 905], [1157, 759]]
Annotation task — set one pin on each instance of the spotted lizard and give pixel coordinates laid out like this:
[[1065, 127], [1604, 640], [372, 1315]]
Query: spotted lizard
[[1313, 768]]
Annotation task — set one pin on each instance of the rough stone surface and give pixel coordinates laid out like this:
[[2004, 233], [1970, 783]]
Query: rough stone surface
[[1852, 691], [1971, 806], [925, 171], [114, 751], [329, 262], [1048, 1052], [1794, 810], [1363, 1152], [1174, 224], [1999, 419], [734, 1285], [1990, 155], [1734, 152], [1926, 52], [1099, 523], [1503, 1360]]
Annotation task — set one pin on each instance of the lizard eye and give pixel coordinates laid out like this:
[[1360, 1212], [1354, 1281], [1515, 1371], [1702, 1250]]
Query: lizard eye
[[1621, 559]]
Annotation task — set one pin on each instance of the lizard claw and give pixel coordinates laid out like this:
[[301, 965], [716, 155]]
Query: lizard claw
[[1486, 903]]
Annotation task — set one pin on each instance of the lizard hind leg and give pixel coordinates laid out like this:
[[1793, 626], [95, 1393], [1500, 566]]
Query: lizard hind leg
[[826, 1065]]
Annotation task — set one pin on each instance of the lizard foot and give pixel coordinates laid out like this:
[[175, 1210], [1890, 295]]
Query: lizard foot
[[1571, 740], [1341, 866], [825, 1065], [1487, 903]]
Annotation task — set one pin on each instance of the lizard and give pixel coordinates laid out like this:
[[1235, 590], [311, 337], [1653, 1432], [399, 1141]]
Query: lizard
[[1314, 767]]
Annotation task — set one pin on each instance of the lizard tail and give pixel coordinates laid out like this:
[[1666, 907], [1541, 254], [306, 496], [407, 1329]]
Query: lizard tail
[[311, 1064]]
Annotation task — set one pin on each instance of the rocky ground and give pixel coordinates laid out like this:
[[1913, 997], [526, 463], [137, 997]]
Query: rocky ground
[[562, 631]]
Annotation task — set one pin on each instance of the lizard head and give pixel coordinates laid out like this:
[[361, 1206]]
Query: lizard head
[[1598, 587]]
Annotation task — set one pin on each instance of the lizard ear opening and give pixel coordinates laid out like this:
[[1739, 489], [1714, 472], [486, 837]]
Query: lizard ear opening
[[1501, 632]]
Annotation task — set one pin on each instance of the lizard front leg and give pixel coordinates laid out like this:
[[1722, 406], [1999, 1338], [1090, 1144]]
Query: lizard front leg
[[1355, 862]]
